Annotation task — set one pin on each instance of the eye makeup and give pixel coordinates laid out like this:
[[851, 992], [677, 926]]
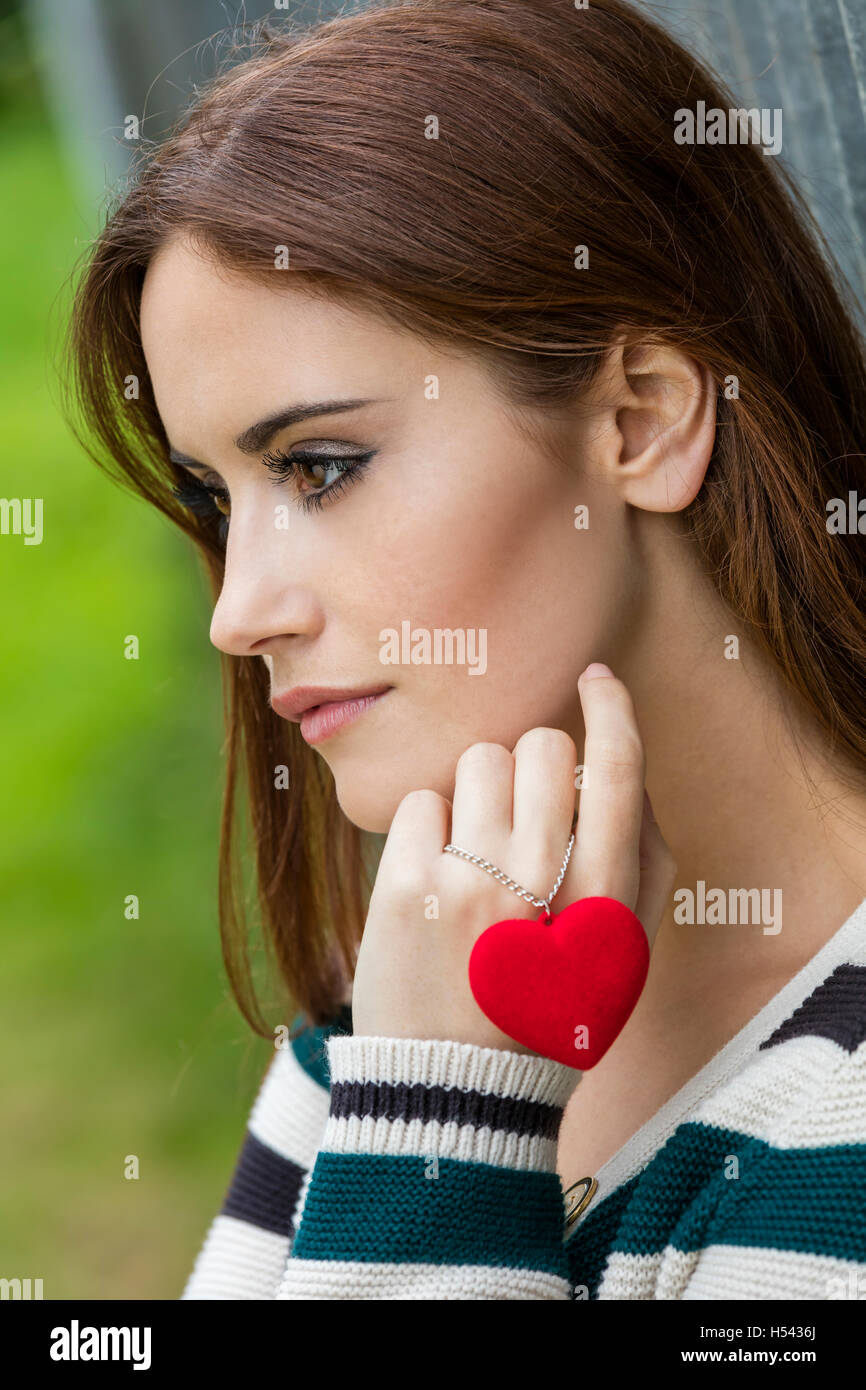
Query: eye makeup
[[209, 503], [207, 500], [292, 465]]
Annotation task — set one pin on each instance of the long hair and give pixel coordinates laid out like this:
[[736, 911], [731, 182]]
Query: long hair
[[441, 163]]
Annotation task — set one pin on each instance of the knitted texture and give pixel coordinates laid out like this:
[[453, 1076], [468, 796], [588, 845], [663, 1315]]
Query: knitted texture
[[393, 1168]]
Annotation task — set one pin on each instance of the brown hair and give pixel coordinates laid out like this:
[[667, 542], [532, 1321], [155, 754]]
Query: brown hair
[[555, 130]]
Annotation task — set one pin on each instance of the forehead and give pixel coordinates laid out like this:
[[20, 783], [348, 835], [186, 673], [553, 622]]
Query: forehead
[[186, 294], [218, 341]]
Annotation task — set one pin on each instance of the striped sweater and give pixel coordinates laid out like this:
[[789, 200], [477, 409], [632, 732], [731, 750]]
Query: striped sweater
[[381, 1168]]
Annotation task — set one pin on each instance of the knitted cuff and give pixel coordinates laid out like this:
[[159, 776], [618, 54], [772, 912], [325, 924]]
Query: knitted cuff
[[446, 1099]]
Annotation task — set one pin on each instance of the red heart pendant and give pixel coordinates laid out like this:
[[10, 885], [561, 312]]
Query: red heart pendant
[[564, 989]]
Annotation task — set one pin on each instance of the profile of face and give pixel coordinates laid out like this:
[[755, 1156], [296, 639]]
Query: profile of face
[[430, 506]]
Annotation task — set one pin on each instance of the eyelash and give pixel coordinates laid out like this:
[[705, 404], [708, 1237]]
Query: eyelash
[[200, 499], [283, 466]]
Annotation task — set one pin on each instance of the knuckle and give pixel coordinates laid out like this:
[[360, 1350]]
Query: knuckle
[[405, 885], [615, 774], [399, 880], [547, 742], [421, 801], [482, 755], [617, 759]]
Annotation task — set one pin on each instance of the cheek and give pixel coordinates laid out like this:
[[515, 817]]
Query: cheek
[[536, 600], [542, 624], [515, 566]]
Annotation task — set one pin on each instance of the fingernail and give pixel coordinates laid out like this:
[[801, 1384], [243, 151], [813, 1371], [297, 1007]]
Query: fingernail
[[594, 670], [648, 804]]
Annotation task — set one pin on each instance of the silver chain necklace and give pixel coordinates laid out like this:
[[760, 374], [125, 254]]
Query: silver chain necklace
[[512, 883]]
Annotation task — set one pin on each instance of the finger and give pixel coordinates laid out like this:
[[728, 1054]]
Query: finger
[[419, 830], [544, 802], [611, 800], [657, 874], [481, 804]]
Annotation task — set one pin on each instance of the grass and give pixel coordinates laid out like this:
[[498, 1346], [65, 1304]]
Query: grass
[[119, 1036]]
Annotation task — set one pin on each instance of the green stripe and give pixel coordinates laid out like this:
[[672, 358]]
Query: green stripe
[[309, 1046], [680, 1188], [805, 1200], [809, 1200], [384, 1208], [589, 1245]]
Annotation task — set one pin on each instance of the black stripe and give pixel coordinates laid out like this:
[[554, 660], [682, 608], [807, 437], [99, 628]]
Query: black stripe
[[264, 1188], [402, 1101], [835, 1010]]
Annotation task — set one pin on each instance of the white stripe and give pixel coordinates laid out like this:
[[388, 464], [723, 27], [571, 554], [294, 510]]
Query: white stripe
[[347, 1280], [291, 1110], [629, 1277], [424, 1139], [237, 1261], [758, 1101], [441, 1062], [749, 1273], [806, 1093]]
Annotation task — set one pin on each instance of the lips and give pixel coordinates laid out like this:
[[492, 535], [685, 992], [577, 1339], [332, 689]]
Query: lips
[[326, 719], [300, 699], [322, 710]]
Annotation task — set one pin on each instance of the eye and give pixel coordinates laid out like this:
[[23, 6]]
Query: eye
[[205, 501], [313, 467]]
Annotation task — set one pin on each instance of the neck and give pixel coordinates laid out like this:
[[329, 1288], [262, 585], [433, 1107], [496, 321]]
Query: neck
[[744, 793]]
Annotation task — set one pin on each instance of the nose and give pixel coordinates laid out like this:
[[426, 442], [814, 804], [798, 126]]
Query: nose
[[259, 603]]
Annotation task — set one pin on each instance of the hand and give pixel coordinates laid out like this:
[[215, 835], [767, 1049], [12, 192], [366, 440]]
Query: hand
[[515, 809]]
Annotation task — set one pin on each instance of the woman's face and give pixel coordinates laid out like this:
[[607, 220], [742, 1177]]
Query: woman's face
[[459, 522]]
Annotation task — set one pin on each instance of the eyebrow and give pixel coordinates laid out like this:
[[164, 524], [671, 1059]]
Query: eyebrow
[[258, 436]]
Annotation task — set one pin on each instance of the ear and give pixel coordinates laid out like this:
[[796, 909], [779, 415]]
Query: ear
[[659, 409]]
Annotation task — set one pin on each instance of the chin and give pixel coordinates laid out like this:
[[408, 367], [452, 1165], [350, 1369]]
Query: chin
[[370, 799], [366, 805]]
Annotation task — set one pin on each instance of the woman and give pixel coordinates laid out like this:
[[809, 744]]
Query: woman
[[529, 418]]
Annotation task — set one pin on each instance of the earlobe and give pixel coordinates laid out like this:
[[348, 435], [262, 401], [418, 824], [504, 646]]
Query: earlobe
[[665, 426]]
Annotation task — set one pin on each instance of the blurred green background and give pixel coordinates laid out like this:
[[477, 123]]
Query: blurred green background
[[117, 1036]]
